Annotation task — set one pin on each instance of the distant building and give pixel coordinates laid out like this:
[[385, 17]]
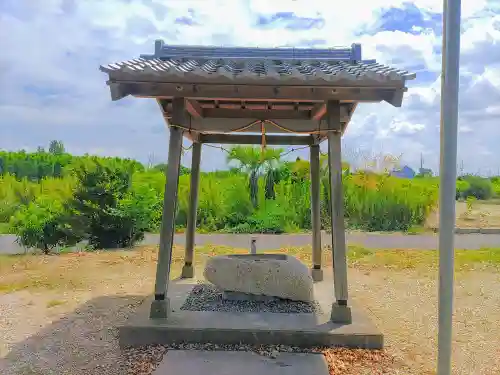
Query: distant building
[[427, 172], [403, 172]]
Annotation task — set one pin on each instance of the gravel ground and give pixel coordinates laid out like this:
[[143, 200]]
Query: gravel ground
[[404, 305], [49, 332], [37, 340], [206, 297]]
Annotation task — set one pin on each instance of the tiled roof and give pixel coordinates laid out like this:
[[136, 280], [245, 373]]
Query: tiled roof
[[328, 72], [255, 65]]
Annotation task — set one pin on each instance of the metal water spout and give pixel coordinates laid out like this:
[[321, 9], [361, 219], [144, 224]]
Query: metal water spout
[[253, 245]]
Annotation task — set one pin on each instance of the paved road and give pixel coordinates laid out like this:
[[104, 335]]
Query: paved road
[[267, 242], [387, 241]]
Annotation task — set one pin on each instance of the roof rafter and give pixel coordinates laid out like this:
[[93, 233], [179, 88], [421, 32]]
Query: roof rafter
[[194, 108]]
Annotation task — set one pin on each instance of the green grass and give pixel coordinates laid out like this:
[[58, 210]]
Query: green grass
[[405, 259], [373, 202], [55, 302], [394, 259], [4, 228], [414, 230]]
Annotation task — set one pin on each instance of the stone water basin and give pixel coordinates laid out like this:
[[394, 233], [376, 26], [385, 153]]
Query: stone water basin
[[269, 275]]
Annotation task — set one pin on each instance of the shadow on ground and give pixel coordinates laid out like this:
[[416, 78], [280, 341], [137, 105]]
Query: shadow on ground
[[84, 341]]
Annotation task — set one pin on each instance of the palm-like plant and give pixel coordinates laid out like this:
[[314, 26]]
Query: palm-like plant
[[255, 161]]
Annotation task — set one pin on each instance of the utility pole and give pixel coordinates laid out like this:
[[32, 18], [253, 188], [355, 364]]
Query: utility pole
[[151, 158], [448, 177]]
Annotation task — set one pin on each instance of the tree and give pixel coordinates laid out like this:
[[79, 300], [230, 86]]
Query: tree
[[56, 147], [272, 177], [253, 161], [104, 210], [162, 167], [57, 169], [300, 170]]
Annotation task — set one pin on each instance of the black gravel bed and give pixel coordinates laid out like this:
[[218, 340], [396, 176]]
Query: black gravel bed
[[206, 297]]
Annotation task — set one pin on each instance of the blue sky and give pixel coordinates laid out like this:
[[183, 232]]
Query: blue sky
[[51, 87]]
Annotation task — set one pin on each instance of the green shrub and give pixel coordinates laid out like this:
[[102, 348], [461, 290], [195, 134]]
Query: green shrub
[[479, 187], [7, 210], [144, 206], [243, 228], [116, 202], [295, 199], [41, 224], [462, 187], [270, 218], [383, 203], [212, 203], [495, 182]]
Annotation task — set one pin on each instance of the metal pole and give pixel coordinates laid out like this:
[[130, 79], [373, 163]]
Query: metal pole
[[253, 245], [448, 176]]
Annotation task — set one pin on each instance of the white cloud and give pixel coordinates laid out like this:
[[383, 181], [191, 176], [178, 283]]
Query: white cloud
[[50, 86], [465, 129], [398, 126]]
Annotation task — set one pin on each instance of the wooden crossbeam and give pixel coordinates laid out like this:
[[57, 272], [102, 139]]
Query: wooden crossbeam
[[253, 139], [268, 93], [255, 114]]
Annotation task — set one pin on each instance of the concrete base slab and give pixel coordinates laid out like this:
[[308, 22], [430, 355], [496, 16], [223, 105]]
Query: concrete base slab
[[252, 328], [196, 362]]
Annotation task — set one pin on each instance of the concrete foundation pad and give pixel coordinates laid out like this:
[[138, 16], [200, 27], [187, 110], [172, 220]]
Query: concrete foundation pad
[[195, 362], [296, 329], [159, 309], [187, 271], [317, 274], [341, 314]]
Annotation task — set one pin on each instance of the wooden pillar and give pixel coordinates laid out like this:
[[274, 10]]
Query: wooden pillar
[[316, 272], [187, 269], [160, 305], [341, 313]]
